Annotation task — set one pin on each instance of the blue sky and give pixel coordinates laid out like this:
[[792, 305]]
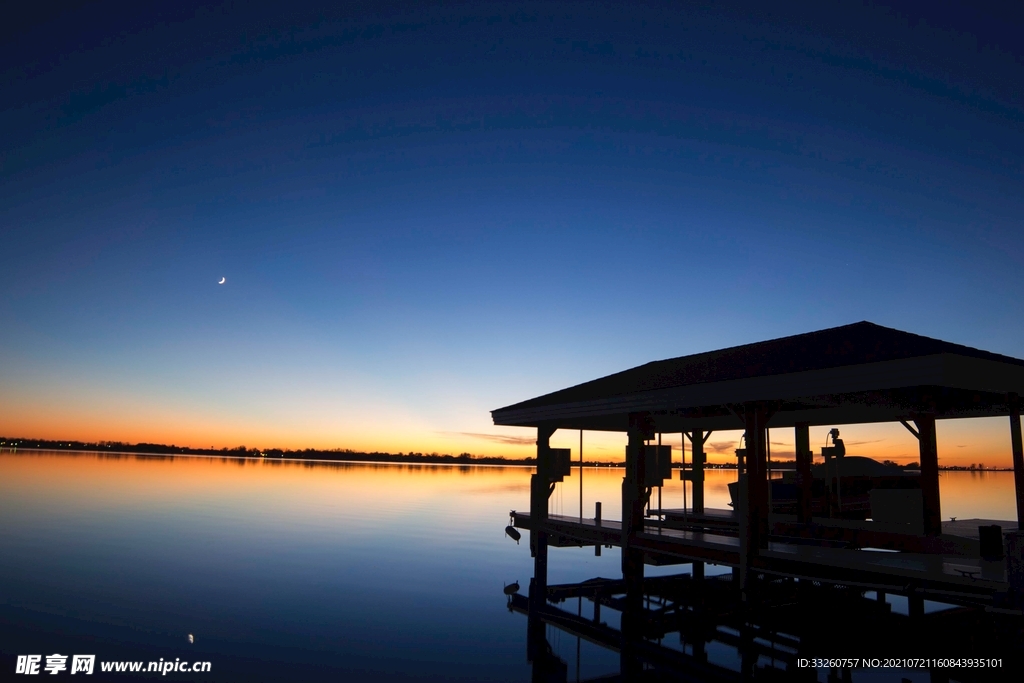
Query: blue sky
[[426, 212]]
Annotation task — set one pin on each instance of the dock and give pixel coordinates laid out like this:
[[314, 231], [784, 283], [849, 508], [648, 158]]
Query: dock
[[791, 569], [952, 578]]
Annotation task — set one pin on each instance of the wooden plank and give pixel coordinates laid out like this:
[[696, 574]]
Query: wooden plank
[[960, 578], [867, 537]]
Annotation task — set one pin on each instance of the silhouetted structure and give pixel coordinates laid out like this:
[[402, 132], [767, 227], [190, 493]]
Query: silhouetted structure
[[858, 373]]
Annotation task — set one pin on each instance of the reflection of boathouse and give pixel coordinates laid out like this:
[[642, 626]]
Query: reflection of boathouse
[[804, 550]]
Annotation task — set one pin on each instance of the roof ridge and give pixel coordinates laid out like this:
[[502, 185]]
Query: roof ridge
[[860, 343]]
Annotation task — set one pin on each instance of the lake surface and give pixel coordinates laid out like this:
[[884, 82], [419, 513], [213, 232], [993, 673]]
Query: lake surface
[[289, 570]]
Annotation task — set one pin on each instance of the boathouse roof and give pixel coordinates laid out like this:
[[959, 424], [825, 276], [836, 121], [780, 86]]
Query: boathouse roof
[[842, 375]]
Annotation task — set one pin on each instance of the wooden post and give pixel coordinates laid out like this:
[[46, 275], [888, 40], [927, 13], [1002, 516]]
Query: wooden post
[[536, 644], [804, 480], [739, 573], [755, 526], [633, 489], [757, 472], [1018, 457], [633, 504], [698, 460], [697, 440], [929, 473], [539, 493], [581, 476]]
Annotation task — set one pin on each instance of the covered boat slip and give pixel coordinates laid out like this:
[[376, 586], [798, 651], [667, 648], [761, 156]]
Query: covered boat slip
[[799, 552], [860, 373]]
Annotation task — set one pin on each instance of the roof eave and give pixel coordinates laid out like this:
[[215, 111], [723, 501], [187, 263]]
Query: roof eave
[[944, 370]]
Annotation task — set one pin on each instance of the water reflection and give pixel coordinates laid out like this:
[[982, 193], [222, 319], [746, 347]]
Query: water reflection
[[697, 626], [281, 570], [288, 570], [695, 629]]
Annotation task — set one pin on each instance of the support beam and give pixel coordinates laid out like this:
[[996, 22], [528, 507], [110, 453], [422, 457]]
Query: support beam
[[536, 644], [641, 427], [739, 573], [757, 473], [910, 429], [754, 512], [698, 438], [539, 492], [633, 488], [633, 494], [1018, 457], [929, 452], [581, 475], [804, 480]]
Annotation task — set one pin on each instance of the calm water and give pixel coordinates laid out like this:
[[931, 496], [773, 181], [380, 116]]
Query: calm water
[[303, 571]]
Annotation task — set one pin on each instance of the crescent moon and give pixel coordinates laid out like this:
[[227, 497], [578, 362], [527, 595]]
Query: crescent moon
[[222, 281]]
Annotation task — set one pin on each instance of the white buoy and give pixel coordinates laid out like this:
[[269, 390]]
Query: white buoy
[[191, 639]]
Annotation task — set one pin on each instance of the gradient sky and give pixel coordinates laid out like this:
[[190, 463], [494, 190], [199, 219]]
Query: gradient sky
[[426, 212]]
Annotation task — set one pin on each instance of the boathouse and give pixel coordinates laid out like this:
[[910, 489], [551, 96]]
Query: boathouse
[[854, 374]]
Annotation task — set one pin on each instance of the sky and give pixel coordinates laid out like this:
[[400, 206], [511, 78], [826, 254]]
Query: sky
[[424, 212]]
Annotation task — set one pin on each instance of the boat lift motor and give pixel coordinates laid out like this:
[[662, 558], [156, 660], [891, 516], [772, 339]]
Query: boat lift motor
[[836, 451]]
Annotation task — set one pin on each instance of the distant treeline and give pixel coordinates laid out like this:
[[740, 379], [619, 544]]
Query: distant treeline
[[245, 452], [338, 454], [345, 454]]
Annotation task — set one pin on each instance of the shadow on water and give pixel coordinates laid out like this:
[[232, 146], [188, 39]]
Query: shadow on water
[[696, 628]]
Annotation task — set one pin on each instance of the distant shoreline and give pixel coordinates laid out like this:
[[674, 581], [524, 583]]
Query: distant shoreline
[[241, 452], [347, 455], [334, 455]]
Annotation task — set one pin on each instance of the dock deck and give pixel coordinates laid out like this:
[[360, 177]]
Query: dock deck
[[726, 519], [950, 577]]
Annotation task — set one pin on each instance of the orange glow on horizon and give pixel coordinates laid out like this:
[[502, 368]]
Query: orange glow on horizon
[[961, 442]]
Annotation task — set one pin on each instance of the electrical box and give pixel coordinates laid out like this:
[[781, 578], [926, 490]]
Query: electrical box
[[657, 464], [837, 451], [561, 463]]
